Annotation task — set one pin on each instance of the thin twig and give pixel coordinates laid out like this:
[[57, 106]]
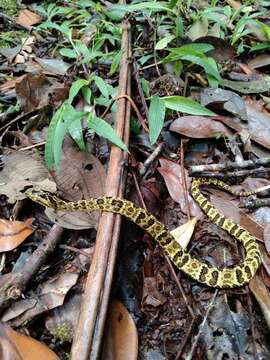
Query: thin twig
[[151, 158], [195, 342]]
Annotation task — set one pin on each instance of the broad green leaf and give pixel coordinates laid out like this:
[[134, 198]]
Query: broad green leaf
[[57, 130], [75, 88], [102, 86], [86, 91], [102, 128], [75, 130], [186, 105], [162, 43], [186, 49], [146, 5], [68, 116], [49, 146], [156, 117], [70, 53], [115, 62]]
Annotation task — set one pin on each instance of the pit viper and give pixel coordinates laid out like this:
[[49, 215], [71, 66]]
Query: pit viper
[[227, 277]]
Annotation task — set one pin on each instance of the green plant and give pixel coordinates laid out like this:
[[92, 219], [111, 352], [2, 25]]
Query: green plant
[[68, 120]]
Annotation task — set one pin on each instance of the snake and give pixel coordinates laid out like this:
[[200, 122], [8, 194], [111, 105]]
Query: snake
[[202, 272]]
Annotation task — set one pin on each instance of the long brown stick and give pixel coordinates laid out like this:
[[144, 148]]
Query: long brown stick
[[90, 327]]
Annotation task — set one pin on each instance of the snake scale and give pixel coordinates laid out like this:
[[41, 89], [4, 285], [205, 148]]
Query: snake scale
[[227, 277]]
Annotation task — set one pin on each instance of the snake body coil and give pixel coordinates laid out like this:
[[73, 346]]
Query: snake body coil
[[202, 272]]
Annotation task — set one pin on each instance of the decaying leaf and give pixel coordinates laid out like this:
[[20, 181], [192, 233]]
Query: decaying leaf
[[28, 18], [49, 295], [62, 320], [227, 100], [171, 173], [121, 338], [81, 176], [15, 346], [199, 127], [21, 170], [13, 233], [262, 295], [183, 233]]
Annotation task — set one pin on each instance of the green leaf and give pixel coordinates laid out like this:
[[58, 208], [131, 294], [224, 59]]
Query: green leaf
[[115, 62], [102, 86], [145, 5], [75, 130], [186, 105], [102, 128], [86, 92], [162, 43], [70, 53], [156, 117], [75, 88], [57, 130]]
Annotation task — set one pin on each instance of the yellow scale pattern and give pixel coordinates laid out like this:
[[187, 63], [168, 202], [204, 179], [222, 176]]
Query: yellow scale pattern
[[198, 270]]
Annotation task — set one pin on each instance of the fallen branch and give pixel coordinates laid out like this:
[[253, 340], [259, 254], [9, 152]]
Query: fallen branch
[[199, 170], [12, 285], [87, 340]]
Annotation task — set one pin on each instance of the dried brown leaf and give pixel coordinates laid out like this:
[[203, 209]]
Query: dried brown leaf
[[171, 173], [199, 127], [13, 233], [121, 338], [28, 18], [15, 346], [81, 176]]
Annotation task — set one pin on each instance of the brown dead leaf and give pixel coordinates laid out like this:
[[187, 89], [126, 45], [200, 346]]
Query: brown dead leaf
[[36, 91], [15, 346], [171, 173], [121, 338], [28, 18], [222, 49], [23, 169], [81, 176], [199, 127], [13, 233], [183, 233], [261, 294]]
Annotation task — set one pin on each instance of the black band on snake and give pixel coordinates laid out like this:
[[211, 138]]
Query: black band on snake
[[212, 276]]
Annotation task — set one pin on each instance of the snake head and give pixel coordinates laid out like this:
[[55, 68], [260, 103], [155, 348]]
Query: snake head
[[39, 196]]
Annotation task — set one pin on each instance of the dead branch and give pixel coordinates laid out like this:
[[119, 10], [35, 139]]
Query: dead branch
[[12, 285], [199, 170], [88, 337]]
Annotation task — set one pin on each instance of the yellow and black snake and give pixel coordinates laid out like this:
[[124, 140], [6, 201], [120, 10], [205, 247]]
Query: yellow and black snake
[[198, 270]]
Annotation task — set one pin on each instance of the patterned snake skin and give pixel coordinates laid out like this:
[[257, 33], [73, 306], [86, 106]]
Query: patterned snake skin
[[198, 270]]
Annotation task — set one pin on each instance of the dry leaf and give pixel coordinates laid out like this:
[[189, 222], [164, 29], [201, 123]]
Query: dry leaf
[[48, 295], [171, 173], [28, 18], [199, 127], [81, 176], [261, 294], [121, 338], [183, 233], [13, 233], [23, 169], [15, 346]]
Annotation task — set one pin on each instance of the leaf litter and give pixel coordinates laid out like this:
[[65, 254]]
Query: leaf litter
[[207, 99]]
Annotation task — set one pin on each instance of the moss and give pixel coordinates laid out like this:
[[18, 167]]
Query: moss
[[9, 7], [62, 332], [11, 38]]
